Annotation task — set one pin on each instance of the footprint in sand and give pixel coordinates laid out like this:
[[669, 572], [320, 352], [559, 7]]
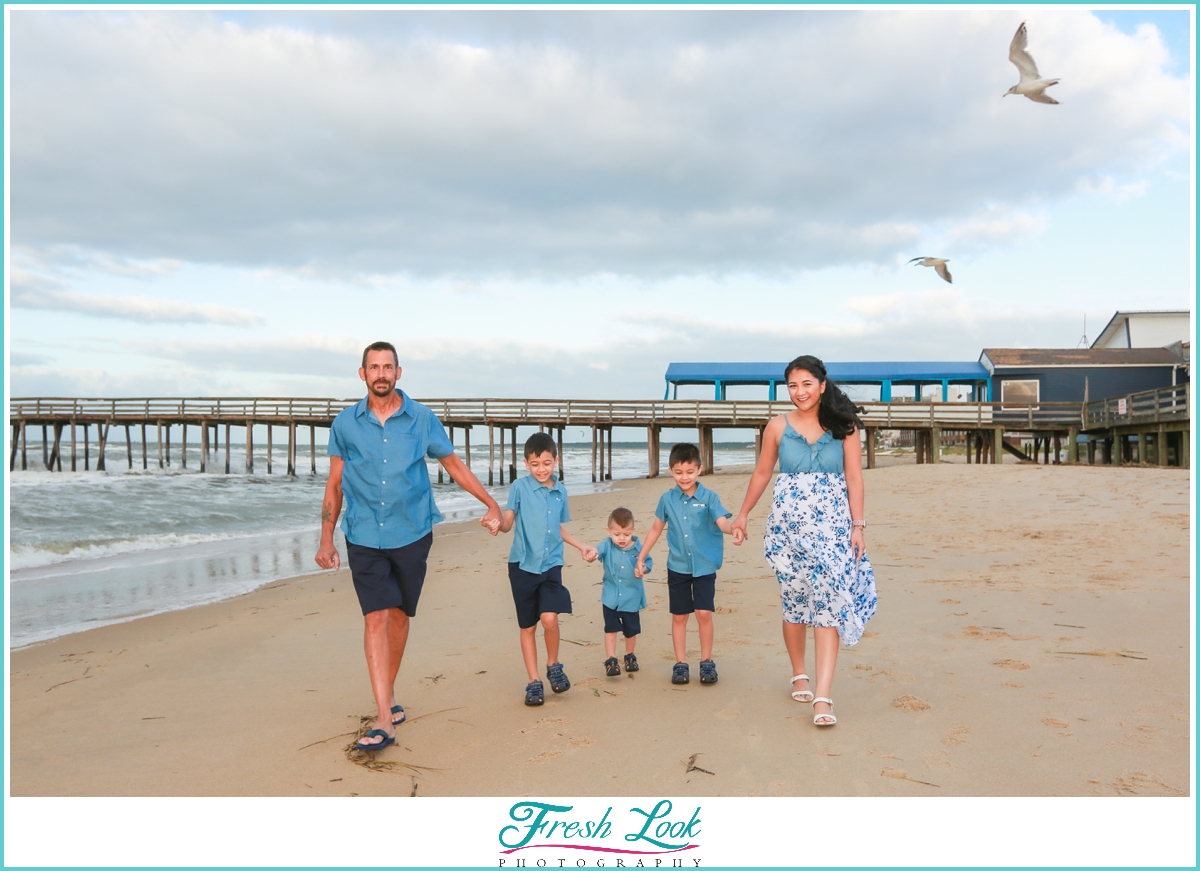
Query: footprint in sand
[[1010, 663], [1014, 685], [581, 741], [951, 602], [893, 676], [936, 759], [551, 723], [545, 755], [726, 715], [956, 735], [1142, 783], [910, 704], [1055, 723]]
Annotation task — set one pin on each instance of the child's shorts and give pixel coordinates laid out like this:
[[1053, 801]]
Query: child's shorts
[[689, 593], [536, 594], [629, 622], [390, 577]]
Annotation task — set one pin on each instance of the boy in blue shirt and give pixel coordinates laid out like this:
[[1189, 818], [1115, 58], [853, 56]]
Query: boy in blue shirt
[[695, 521], [623, 594], [537, 508]]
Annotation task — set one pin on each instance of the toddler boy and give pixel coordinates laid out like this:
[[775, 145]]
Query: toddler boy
[[623, 594], [695, 520], [537, 508]]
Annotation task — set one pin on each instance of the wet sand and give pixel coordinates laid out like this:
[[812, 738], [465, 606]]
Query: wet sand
[[1032, 639]]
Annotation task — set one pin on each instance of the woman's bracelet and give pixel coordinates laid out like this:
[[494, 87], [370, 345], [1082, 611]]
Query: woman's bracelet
[[861, 524]]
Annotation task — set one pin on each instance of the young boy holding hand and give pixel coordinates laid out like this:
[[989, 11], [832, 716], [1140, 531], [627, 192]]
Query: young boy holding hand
[[537, 509], [623, 594], [695, 521]]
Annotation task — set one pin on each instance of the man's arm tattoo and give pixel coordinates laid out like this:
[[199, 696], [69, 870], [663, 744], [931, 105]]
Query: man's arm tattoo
[[327, 513]]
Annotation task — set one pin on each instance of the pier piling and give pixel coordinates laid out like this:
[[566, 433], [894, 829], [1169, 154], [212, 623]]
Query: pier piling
[[291, 454], [226, 449], [593, 454], [249, 447], [270, 445], [204, 446]]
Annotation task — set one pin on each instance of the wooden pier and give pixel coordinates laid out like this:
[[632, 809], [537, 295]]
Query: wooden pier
[[1156, 418]]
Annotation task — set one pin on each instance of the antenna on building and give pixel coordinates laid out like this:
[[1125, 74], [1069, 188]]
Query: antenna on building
[[1083, 342]]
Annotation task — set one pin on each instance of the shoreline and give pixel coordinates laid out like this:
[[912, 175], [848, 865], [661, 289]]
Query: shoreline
[[1008, 612]]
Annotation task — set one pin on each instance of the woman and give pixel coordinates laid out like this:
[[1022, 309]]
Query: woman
[[816, 536]]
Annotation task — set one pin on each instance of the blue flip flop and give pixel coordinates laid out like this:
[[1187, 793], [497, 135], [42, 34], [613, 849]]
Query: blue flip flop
[[386, 742], [397, 709]]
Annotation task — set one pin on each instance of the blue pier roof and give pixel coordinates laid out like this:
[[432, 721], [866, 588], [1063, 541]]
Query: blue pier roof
[[850, 373]]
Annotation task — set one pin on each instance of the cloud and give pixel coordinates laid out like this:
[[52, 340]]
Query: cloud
[[892, 327], [994, 225], [561, 143], [32, 291]]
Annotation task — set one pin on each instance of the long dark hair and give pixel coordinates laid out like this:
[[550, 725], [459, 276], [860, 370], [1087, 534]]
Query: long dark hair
[[836, 412]]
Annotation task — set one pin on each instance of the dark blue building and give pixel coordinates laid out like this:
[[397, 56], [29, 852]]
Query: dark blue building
[[1058, 375]]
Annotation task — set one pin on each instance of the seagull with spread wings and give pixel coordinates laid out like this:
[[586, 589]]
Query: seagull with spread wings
[[1032, 85], [939, 265]]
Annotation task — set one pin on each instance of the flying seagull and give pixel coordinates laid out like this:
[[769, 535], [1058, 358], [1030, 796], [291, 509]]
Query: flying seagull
[[1032, 85], [938, 263]]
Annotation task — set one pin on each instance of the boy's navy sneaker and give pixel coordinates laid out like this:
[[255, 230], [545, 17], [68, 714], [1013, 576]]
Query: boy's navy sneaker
[[679, 674], [558, 679], [708, 671], [630, 662], [611, 667]]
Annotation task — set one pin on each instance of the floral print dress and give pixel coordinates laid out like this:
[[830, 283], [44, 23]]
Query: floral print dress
[[807, 541]]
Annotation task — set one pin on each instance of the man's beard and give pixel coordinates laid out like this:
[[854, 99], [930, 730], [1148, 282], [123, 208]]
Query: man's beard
[[383, 388]]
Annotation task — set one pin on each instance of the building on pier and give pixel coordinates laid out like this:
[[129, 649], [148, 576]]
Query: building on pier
[[1079, 375]]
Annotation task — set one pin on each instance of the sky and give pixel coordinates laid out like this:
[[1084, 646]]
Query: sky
[[559, 203]]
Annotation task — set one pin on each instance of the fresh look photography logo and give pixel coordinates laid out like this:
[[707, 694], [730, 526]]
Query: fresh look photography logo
[[638, 838]]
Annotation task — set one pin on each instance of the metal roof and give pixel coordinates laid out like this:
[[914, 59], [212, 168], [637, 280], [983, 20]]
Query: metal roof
[[1079, 357], [764, 373]]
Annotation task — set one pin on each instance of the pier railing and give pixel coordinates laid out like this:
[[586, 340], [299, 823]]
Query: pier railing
[[553, 412], [1163, 405]]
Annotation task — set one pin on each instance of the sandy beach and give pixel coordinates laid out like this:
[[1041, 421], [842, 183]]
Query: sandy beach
[[1032, 639]]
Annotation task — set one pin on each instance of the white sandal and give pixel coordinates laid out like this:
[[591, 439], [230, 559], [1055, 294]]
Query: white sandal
[[829, 717], [801, 695]]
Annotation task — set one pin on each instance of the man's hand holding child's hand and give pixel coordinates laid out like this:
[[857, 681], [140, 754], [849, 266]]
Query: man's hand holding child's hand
[[640, 569], [590, 554]]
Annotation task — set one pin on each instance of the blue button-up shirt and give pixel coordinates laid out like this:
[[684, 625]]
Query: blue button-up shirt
[[541, 511], [389, 500], [623, 590], [697, 545]]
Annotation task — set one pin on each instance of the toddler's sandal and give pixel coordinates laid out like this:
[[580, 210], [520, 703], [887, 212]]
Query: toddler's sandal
[[533, 694]]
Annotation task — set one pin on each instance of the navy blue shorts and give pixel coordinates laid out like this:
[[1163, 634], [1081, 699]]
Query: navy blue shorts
[[629, 622], [689, 593], [390, 577], [536, 594]]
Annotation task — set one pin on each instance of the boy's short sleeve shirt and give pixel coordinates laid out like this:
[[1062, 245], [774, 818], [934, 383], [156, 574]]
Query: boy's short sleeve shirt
[[696, 545], [385, 483], [537, 539], [623, 590]]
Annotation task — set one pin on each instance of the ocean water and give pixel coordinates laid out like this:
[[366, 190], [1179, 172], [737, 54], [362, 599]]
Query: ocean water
[[88, 549]]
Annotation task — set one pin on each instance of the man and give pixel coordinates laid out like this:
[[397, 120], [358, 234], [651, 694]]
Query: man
[[377, 451]]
